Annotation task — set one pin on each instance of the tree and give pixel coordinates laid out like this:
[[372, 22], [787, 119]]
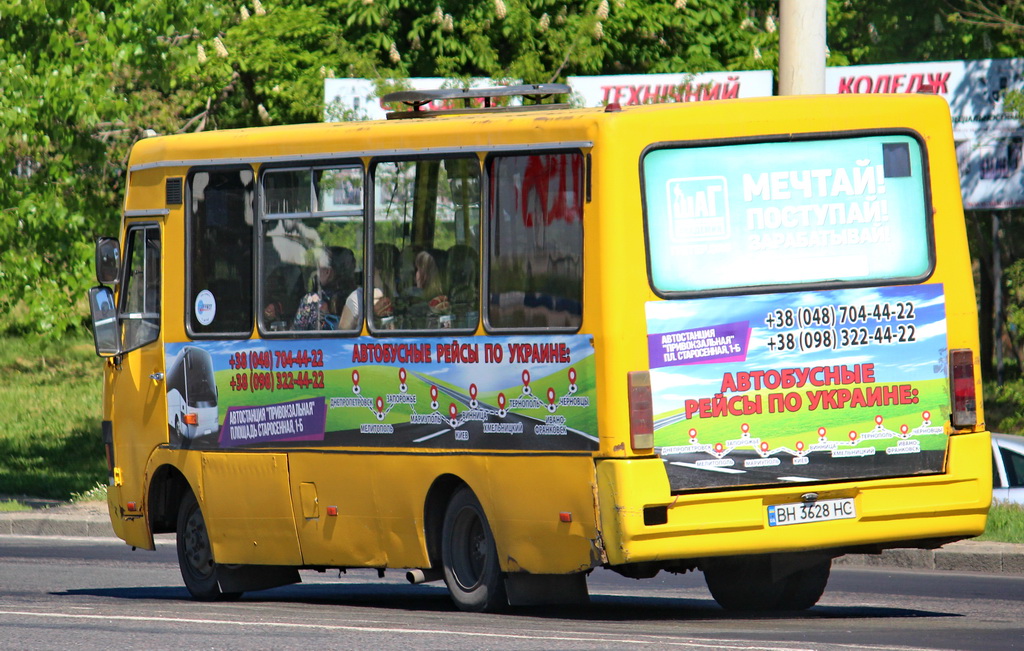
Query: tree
[[83, 80], [74, 97]]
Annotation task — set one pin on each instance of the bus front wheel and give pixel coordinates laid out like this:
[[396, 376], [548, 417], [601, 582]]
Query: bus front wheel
[[469, 556], [195, 555]]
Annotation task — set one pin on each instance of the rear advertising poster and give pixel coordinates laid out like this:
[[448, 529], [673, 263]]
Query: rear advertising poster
[[803, 386]]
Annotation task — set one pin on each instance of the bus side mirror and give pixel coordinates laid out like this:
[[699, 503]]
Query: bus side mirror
[[108, 260], [104, 321]]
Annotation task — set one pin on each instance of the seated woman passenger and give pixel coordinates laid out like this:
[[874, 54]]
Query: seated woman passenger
[[320, 308], [429, 305]]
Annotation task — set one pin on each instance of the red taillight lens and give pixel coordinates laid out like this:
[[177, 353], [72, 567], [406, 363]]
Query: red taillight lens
[[961, 380], [191, 419], [641, 411]]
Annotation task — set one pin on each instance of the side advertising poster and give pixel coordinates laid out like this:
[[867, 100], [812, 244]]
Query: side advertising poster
[[803, 386], [491, 393]]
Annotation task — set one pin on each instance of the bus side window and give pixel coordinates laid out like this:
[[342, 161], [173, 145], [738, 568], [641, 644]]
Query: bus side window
[[535, 224], [140, 309], [311, 237], [220, 299], [426, 229]]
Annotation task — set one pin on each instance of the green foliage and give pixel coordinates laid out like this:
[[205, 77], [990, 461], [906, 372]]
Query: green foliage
[[1014, 297], [1005, 523], [50, 441], [1004, 406], [84, 79], [894, 31], [72, 102], [98, 493]]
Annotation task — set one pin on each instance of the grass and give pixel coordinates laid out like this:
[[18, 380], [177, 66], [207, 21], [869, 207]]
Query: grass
[[1005, 523], [50, 438], [9, 506], [97, 493]]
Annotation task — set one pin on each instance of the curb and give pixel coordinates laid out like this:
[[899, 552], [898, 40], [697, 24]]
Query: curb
[[56, 521], [962, 556]]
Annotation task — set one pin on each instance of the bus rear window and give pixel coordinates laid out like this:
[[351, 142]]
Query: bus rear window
[[787, 213]]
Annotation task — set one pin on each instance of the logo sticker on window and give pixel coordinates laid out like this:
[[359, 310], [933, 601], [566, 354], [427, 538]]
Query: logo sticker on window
[[698, 208], [206, 307]]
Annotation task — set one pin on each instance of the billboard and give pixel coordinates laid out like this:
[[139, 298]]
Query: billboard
[[357, 98], [988, 140]]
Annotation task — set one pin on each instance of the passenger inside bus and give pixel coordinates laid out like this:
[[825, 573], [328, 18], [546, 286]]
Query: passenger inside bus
[[352, 313], [329, 286], [428, 305]]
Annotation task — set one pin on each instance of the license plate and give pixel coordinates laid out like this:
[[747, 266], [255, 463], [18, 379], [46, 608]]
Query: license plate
[[819, 511]]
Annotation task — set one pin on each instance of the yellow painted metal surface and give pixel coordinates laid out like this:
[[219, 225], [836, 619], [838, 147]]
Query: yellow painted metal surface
[[381, 507], [736, 522], [248, 509]]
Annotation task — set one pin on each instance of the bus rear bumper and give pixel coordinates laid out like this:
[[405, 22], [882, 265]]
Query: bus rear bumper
[[641, 521]]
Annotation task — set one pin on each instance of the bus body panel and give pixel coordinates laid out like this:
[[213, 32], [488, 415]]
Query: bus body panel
[[380, 503], [723, 524], [139, 425], [131, 528], [248, 508]]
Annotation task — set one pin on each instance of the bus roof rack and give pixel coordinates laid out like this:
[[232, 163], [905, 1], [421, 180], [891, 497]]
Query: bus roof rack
[[417, 99]]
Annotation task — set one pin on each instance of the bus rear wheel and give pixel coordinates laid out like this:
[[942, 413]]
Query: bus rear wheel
[[469, 556], [195, 554], [747, 583]]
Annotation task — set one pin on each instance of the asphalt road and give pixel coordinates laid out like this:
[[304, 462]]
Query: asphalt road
[[82, 593]]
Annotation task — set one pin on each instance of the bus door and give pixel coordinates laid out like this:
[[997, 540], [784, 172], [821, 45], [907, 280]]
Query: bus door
[[136, 381]]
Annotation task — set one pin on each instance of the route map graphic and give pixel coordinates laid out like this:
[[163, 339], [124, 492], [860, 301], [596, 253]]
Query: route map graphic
[[798, 387], [490, 393]]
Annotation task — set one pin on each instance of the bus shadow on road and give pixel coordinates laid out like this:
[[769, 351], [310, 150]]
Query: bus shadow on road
[[435, 599]]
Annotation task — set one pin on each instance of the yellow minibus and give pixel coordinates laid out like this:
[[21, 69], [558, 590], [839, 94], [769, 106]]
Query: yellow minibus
[[502, 346]]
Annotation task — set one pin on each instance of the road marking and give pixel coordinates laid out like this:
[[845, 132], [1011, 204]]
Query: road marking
[[797, 478], [631, 640]]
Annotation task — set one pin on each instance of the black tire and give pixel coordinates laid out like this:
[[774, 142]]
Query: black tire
[[744, 583], [195, 554], [469, 556], [805, 587]]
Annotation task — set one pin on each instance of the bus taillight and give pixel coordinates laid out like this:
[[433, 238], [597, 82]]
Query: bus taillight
[[641, 411], [961, 379]]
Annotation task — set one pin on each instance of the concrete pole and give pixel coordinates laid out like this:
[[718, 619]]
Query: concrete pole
[[801, 47]]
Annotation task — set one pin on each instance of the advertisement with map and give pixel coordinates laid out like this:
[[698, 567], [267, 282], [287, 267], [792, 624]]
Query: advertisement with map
[[489, 393], [799, 387]]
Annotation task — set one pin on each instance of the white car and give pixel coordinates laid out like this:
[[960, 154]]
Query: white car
[[1008, 468]]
